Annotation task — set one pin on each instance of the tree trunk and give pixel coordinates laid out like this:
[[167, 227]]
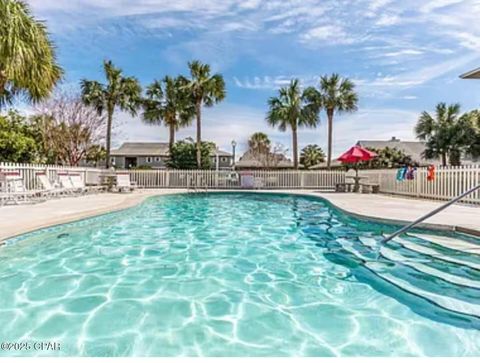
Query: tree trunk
[[444, 159], [109, 135], [198, 107], [171, 139], [455, 158], [3, 83], [330, 136], [295, 147]]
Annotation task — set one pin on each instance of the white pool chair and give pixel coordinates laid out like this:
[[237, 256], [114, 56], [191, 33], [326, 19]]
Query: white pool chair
[[49, 188], [16, 191], [124, 183], [67, 184], [79, 184]]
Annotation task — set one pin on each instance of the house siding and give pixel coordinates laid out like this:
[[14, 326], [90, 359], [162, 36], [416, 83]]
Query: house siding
[[157, 154], [141, 162], [225, 162]]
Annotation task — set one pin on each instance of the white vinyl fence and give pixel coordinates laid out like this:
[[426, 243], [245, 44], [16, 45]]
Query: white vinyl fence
[[449, 182], [212, 179], [28, 172]]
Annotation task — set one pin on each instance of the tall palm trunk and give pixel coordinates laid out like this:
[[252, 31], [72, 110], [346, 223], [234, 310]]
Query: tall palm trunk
[[295, 147], [330, 136], [3, 81], [109, 137], [171, 139], [198, 109]]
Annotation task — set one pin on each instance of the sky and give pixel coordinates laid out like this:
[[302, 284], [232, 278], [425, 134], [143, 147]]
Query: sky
[[404, 57]]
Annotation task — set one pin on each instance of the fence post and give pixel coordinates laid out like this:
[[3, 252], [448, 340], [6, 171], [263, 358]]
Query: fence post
[[418, 182]]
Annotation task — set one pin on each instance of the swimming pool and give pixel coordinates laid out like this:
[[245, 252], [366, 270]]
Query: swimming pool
[[239, 274]]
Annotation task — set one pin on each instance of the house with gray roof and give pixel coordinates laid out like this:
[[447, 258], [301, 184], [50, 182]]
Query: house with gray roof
[[251, 160], [155, 155], [414, 149]]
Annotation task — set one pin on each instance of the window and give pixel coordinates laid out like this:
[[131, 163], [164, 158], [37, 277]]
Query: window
[[149, 159], [224, 159], [158, 159], [112, 160]]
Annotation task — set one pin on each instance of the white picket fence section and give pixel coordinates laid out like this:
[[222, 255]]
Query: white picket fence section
[[212, 179], [449, 182], [28, 172]]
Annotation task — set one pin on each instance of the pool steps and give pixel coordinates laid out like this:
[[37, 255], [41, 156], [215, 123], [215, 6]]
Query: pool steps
[[448, 287]]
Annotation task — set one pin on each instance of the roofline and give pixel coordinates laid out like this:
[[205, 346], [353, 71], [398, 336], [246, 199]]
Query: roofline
[[471, 74], [116, 153], [137, 154]]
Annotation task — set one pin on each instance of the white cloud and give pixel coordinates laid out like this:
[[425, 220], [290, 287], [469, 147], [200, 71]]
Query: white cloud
[[420, 75], [430, 6], [323, 22], [402, 52], [330, 34], [387, 20], [273, 82]]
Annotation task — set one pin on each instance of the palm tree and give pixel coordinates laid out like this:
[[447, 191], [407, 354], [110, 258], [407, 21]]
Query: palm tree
[[119, 92], [259, 143], [474, 143], [446, 134], [168, 101], [311, 155], [205, 90], [28, 65], [337, 95], [293, 109]]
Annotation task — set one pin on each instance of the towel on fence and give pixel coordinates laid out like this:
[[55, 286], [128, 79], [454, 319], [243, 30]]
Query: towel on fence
[[431, 173], [401, 173], [410, 175]]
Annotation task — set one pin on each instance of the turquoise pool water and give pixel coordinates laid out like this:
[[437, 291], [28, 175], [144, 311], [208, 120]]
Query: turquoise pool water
[[238, 274]]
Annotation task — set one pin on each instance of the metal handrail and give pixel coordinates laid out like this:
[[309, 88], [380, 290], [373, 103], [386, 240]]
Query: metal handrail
[[430, 214]]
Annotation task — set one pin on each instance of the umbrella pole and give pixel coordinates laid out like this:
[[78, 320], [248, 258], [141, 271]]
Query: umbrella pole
[[357, 181]]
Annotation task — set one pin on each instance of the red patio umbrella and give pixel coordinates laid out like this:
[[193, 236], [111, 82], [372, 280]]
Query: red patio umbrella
[[354, 155]]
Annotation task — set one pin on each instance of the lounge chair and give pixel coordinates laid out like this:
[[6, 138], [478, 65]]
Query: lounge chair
[[78, 182], [16, 191], [67, 184], [124, 183], [49, 189]]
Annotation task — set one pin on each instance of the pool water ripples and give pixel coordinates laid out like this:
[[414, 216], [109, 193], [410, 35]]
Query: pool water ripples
[[238, 274]]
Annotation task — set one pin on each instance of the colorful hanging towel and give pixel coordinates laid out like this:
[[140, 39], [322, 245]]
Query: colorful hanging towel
[[431, 173], [401, 174], [410, 173]]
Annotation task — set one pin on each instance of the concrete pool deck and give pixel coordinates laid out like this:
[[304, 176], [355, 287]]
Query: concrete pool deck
[[19, 219]]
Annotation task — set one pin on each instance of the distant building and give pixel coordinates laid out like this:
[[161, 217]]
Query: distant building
[[155, 155], [250, 160], [414, 149]]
